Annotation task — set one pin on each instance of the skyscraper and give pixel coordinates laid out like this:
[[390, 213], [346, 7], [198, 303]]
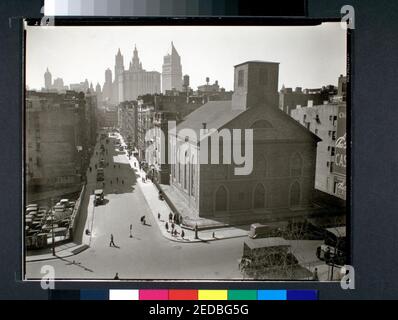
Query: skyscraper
[[107, 89], [172, 71], [136, 81], [47, 80]]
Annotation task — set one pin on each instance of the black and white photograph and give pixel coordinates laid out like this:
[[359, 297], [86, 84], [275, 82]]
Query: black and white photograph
[[186, 153]]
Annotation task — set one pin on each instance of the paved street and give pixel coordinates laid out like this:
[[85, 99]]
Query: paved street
[[148, 254]]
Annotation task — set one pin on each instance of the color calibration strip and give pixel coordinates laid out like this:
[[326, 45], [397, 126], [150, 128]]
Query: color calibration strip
[[161, 8], [164, 294]]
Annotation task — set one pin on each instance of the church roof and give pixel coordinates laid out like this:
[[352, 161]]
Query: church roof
[[219, 114], [214, 113]]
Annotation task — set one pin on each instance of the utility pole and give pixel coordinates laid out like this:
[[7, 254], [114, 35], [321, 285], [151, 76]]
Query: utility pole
[[52, 226]]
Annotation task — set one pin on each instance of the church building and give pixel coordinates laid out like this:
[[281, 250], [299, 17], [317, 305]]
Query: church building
[[281, 181]]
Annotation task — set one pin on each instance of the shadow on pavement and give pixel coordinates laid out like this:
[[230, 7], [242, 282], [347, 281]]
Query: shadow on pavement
[[74, 263]]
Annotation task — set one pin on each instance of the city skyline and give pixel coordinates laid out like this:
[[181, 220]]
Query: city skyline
[[319, 52]]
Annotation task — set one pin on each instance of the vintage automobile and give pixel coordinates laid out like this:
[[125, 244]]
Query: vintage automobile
[[98, 197]]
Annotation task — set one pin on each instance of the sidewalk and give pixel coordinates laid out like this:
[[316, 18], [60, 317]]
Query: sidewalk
[[63, 251], [151, 194]]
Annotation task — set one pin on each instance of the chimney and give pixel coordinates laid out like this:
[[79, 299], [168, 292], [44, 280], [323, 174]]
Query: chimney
[[256, 85]]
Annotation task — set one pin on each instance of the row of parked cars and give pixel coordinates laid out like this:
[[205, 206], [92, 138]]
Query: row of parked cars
[[41, 222]]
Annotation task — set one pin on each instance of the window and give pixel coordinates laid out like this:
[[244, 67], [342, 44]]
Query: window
[[241, 78], [260, 167], [259, 197], [335, 186], [263, 77], [327, 164], [296, 164], [334, 135], [221, 199], [304, 117], [328, 148], [185, 175], [332, 152], [331, 167], [192, 178], [295, 194]]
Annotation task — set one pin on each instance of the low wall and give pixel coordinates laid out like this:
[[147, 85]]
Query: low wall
[[76, 213]]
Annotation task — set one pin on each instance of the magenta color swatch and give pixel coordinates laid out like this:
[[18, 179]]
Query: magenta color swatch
[[154, 294]]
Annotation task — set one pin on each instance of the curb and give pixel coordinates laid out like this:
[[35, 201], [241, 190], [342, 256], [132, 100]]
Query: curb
[[201, 240], [73, 252], [166, 235]]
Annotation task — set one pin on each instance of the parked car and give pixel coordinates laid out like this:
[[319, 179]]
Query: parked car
[[98, 197], [100, 174], [258, 230]]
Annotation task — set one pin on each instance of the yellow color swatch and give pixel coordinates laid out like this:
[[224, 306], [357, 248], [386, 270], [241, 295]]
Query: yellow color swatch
[[212, 294]]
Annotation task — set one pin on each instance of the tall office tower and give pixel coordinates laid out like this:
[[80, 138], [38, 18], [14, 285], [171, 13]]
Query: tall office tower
[[135, 64], [107, 89], [136, 81], [172, 71], [118, 81], [47, 80]]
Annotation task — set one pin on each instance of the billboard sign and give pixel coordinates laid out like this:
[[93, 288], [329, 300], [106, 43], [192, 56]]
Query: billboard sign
[[341, 142]]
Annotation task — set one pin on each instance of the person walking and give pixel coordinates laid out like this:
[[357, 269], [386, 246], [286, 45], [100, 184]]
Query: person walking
[[112, 243], [315, 276], [166, 226], [116, 276], [131, 230], [182, 234], [122, 181], [158, 215]]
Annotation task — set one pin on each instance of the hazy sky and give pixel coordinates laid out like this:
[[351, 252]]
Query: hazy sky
[[309, 57]]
